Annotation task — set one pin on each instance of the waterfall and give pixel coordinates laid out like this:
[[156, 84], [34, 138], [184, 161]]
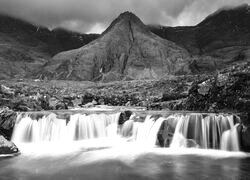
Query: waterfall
[[50, 128], [147, 131], [195, 130], [230, 139]]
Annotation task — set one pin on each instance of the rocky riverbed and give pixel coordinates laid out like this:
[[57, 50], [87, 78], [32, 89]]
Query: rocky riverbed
[[227, 90]]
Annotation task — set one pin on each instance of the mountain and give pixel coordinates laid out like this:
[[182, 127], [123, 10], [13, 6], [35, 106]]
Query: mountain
[[25, 48], [219, 40], [126, 49]]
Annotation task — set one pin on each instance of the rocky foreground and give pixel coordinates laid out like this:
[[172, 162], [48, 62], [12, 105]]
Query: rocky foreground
[[226, 90]]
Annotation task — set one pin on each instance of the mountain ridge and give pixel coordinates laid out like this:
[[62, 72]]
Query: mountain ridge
[[219, 41], [26, 48], [222, 38]]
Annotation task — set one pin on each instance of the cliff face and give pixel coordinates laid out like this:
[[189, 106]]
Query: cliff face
[[222, 39], [127, 49]]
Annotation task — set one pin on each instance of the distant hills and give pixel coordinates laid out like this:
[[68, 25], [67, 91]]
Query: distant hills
[[219, 40], [25, 48], [127, 50]]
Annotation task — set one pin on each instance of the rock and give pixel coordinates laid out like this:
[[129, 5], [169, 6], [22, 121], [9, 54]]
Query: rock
[[127, 128], [7, 121], [87, 98], [6, 90], [190, 143], [60, 106], [90, 104], [204, 88], [124, 116], [7, 147], [101, 101], [221, 92], [166, 132], [222, 80], [53, 102], [44, 101], [245, 138]]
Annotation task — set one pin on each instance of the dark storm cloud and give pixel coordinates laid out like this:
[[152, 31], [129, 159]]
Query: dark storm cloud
[[95, 15]]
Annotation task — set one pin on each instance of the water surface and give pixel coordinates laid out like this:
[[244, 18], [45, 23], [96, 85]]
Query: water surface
[[127, 162]]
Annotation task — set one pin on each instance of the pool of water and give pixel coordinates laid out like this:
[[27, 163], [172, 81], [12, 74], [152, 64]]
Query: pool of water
[[125, 162]]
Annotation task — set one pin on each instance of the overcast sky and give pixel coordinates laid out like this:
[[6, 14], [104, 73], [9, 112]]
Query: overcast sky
[[95, 15]]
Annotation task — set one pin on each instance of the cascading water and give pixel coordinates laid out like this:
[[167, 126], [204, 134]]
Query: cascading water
[[191, 130], [230, 139], [53, 129], [178, 131], [96, 145], [197, 131]]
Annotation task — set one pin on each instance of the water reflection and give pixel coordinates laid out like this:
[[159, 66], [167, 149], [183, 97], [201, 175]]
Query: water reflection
[[102, 164]]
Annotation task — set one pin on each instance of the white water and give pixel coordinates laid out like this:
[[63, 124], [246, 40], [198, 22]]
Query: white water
[[195, 131], [52, 134], [52, 129], [230, 139]]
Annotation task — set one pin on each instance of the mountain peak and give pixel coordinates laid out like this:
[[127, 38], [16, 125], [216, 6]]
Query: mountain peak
[[127, 18], [127, 15]]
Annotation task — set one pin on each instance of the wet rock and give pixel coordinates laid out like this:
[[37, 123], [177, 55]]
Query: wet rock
[[127, 128], [36, 116], [7, 121], [245, 118], [139, 118], [7, 147], [190, 143], [245, 138], [124, 116], [166, 132]]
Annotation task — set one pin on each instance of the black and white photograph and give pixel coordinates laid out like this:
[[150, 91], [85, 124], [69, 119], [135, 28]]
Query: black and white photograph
[[124, 89]]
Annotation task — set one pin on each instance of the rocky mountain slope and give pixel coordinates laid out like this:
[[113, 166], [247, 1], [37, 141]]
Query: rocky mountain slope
[[222, 39], [25, 48], [126, 50]]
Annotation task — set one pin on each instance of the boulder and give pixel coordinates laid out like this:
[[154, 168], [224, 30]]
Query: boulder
[[6, 90], [245, 139], [166, 132], [87, 98], [7, 147], [7, 121], [124, 116]]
